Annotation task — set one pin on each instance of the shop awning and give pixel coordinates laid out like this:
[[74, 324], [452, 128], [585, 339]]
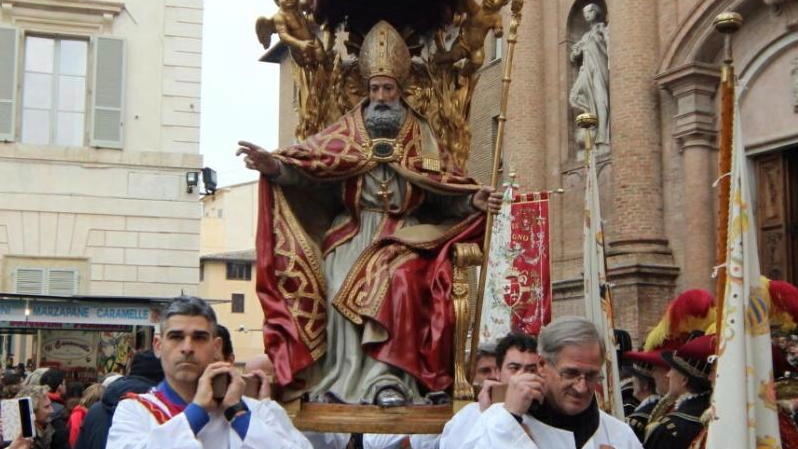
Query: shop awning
[[24, 312]]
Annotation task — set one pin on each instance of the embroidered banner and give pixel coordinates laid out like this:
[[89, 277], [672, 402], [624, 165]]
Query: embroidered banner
[[598, 295], [744, 399], [518, 284]]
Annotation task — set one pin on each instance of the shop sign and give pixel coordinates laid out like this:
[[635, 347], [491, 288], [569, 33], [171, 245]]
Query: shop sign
[[82, 313]]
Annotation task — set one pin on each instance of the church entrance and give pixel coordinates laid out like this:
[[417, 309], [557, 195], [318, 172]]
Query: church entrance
[[777, 213]]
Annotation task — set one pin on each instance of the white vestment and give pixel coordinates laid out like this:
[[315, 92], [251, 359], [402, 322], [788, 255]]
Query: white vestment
[[496, 428], [134, 427], [325, 440], [457, 429], [390, 441]]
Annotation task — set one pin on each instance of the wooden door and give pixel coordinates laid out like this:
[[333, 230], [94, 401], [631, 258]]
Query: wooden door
[[777, 214]]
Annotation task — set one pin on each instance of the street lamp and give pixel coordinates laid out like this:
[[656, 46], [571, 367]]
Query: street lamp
[[192, 180]]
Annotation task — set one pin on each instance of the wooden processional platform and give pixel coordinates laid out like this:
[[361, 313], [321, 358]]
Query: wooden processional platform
[[413, 419]]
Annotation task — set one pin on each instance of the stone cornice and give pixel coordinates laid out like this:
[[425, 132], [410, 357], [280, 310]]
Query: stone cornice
[[632, 274], [94, 157], [94, 7], [80, 17], [690, 77], [693, 86]]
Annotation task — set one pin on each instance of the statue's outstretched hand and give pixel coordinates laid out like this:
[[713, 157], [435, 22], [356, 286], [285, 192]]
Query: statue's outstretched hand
[[256, 158], [487, 199]]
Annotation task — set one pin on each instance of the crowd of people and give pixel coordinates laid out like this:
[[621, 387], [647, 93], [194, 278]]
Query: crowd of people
[[533, 392], [67, 414]]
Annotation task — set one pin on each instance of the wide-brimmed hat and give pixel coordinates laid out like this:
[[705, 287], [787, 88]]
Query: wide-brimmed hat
[[623, 344], [694, 359], [644, 362]]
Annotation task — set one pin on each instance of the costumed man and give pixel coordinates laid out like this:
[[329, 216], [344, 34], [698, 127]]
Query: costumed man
[[623, 344], [689, 382], [182, 412], [687, 316], [356, 224], [648, 371], [786, 388], [784, 314], [556, 407]]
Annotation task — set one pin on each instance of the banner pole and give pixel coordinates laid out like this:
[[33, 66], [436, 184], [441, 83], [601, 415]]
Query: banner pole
[[512, 38]]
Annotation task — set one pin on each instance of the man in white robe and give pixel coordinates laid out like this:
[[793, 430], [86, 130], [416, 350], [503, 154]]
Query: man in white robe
[[181, 412], [556, 407], [515, 353]]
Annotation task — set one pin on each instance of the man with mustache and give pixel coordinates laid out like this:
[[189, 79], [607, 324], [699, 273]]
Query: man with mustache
[[556, 407], [355, 234], [181, 411]]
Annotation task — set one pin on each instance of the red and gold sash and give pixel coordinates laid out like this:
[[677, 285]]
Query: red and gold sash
[[156, 411]]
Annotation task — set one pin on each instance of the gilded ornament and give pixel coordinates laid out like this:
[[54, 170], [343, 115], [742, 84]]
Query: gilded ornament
[[314, 63], [436, 85], [480, 19]]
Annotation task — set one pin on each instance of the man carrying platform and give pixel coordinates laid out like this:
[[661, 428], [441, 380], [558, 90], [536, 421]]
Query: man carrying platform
[[181, 411]]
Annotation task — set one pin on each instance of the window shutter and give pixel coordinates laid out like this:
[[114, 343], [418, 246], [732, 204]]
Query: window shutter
[[8, 82], [238, 303], [109, 92], [30, 281], [62, 282]]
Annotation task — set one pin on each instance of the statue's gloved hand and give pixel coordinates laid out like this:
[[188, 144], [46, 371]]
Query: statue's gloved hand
[[256, 158], [487, 199]]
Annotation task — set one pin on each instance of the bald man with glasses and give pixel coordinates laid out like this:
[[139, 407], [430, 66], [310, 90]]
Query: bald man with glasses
[[556, 407]]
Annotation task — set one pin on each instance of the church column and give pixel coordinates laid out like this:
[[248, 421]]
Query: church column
[[694, 87], [524, 141], [640, 263], [635, 141]]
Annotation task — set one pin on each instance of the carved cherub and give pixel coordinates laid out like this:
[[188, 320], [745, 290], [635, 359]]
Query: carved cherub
[[471, 41], [293, 29]]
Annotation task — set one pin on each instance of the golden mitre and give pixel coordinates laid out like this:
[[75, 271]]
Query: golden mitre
[[384, 53]]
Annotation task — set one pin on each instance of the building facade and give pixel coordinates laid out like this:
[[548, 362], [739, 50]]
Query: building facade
[[99, 125], [227, 264], [657, 175]]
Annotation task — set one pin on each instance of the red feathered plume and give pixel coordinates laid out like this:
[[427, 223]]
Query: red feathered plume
[[693, 310], [688, 308], [784, 299]]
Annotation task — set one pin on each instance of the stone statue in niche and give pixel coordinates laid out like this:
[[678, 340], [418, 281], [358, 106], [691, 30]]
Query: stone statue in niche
[[591, 89]]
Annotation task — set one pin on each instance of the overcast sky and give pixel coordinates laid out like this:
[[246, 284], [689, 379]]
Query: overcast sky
[[239, 93]]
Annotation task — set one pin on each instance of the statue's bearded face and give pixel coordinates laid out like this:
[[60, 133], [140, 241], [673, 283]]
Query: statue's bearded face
[[385, 113], [383, 89]]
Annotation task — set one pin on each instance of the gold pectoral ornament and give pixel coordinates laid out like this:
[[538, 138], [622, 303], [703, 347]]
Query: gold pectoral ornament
[[384, 150]]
